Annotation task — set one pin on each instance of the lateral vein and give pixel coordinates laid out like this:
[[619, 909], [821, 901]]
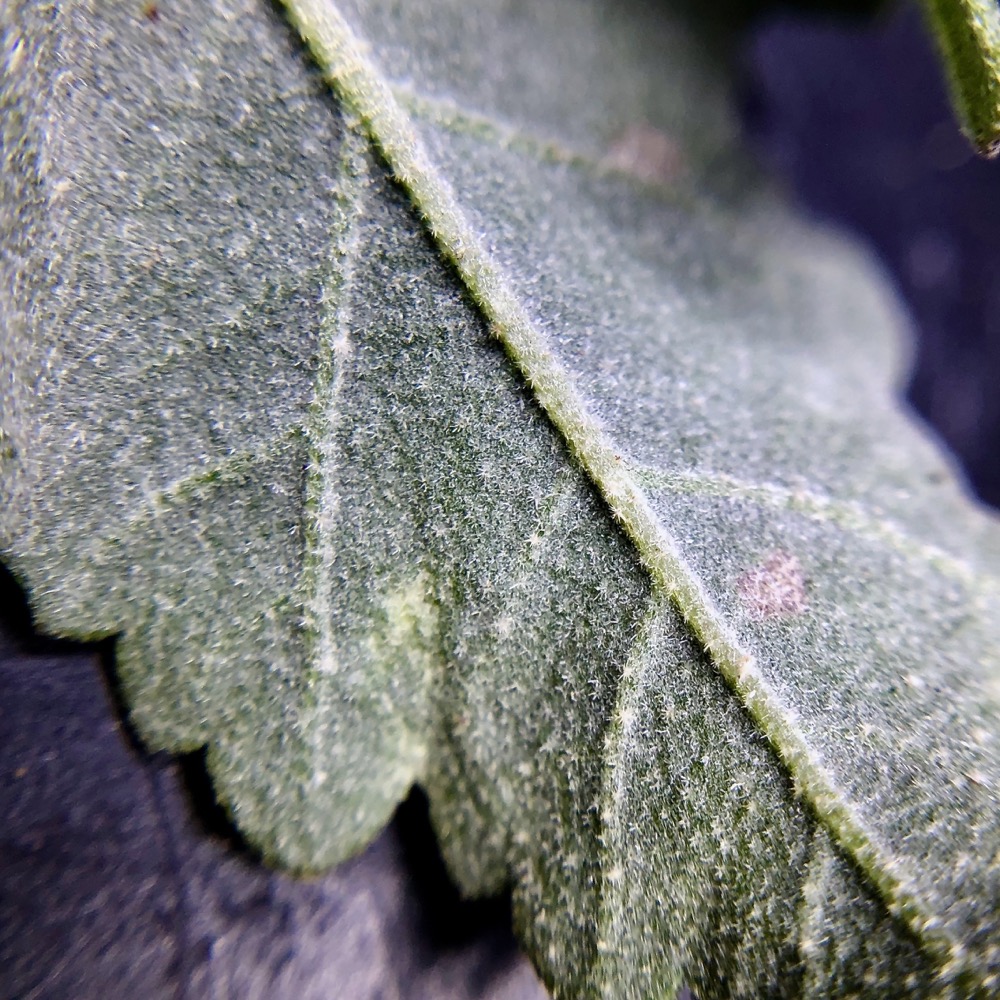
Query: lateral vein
[[322, 485]]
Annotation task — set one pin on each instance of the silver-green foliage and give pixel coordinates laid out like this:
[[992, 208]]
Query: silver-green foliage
[[559, 474]]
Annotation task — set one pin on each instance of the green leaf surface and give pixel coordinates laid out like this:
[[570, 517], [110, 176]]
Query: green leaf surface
[[968, 34], [485, 422]]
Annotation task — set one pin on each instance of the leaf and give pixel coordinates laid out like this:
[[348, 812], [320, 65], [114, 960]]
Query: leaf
[[968, 35], [560, 476], [112, 886]]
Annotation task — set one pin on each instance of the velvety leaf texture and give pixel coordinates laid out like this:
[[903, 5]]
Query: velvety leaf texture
[[483, 421]]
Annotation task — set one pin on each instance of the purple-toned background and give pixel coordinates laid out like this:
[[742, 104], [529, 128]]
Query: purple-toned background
[[118, 874], [858, 125]]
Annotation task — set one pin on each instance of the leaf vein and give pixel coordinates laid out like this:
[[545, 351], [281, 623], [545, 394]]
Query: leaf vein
[[323, 421], [234, 463], [821, 508], [450, 116]]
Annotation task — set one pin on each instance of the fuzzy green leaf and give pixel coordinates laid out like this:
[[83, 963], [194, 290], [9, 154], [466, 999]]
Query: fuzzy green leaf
[[559, 474], [968, 34]]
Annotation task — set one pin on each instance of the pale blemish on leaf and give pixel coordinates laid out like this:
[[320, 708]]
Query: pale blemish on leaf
[[647, 154], [404, 646], [409, 639], [774, 589]]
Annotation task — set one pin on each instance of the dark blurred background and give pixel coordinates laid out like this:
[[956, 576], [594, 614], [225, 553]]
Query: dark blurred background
[[855, 121], [120, 876]]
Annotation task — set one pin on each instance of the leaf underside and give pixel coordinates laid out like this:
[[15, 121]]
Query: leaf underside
[[559, 474]]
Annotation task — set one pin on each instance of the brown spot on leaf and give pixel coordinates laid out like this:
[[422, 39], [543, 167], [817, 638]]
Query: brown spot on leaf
[[647, 154], [151, 11], [774, 589]]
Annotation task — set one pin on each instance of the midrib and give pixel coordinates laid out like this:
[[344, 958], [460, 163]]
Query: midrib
[[344, 60]]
